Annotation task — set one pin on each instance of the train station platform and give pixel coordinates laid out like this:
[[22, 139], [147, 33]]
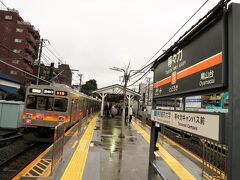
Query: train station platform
[[101, 154]]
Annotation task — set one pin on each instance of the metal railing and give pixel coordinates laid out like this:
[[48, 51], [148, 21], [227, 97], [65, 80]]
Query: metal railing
[[214, 160]]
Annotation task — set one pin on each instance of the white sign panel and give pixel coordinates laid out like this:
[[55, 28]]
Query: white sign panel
[[206, 125]]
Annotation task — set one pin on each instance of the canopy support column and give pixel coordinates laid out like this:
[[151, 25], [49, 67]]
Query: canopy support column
[[103, 95], [129, 97]]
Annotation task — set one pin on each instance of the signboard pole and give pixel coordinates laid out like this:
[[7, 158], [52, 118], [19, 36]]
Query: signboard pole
[[151, 150], [234, 91]]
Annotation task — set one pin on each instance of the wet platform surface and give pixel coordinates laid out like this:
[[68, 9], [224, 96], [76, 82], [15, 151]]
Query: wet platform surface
[[100, 154], [111, 157]]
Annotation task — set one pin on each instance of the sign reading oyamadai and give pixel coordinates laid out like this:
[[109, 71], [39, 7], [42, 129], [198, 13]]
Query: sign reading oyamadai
[[197, 65]]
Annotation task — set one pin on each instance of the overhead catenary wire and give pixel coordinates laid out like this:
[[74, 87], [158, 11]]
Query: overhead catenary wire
[[46, 58], [221, 4], [147, 64], [145, 74], [44, 54], [50, 51], [55, 50], [56, 56]]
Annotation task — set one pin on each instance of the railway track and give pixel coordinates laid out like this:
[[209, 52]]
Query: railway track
[[15, 157], [12, 168]]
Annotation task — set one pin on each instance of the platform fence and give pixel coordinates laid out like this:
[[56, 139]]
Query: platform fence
[[214, 160], [57, 151]]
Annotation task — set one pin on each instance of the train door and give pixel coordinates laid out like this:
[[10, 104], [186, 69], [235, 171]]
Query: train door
[[73, 110]]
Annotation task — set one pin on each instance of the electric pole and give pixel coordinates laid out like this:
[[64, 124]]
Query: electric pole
[[39, 60], [126, 77]]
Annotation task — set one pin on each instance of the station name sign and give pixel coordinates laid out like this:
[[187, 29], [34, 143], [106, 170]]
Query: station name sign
[[197, 65], [203, 124]]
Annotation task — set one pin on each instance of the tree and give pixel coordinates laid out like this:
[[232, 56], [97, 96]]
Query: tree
[[89, 87]]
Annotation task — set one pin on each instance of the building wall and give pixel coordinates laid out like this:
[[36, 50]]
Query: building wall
[[61, 75], [145, 100], [66, 75], [22, 38]]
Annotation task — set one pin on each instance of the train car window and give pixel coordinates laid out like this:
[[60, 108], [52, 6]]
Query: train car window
[[49, 104], [41, 103], [31, 102], [60, 104]]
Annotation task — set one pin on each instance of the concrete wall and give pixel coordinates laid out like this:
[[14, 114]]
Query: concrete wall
[[10, 114]]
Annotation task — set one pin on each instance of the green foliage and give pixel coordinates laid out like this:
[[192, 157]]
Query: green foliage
[[89, 87]]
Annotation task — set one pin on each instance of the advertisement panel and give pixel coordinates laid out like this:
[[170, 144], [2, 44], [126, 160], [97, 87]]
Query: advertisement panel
[[202, 124], [197, 65], [194, 102]]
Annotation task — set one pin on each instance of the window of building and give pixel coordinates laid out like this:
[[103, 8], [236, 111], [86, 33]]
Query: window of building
[[16, 51], [8, 17], [19, 30], [17, 40], [13, 72], [15, 61]]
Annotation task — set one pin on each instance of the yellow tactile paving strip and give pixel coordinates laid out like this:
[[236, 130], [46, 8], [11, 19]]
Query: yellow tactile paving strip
[[75, 168], [175, 165], [184, 149], [194, 156]]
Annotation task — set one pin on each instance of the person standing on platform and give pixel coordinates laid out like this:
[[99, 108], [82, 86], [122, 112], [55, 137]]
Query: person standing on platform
[[126, 114], [130, 112]]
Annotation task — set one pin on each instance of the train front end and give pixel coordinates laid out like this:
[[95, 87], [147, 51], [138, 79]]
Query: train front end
[[45, 107]]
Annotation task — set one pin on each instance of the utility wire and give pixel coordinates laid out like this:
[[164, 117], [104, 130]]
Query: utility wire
[[49, 58], [53, 54], [55, 50], [145, 74], [3, 4], [17, 67], [56, 54], [46, 61], [46, 57], [146, 64], [221, 4]]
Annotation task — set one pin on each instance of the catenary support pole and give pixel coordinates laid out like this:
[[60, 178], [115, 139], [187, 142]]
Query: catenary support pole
[[39, 60]]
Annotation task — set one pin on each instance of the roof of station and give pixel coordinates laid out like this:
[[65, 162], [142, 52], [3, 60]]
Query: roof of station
[[116, 89]]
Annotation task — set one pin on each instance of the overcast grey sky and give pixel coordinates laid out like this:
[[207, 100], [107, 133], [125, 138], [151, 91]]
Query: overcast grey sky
[[94, 35]]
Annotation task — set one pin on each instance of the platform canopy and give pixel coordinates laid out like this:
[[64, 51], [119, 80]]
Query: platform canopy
[[115, 89]]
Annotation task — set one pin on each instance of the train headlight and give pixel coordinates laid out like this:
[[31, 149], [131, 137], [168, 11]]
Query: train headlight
[[61, 118], [28, 121], [29, 116]]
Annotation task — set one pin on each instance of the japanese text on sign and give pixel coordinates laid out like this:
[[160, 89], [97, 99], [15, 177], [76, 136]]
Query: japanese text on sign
[[206, 125]]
